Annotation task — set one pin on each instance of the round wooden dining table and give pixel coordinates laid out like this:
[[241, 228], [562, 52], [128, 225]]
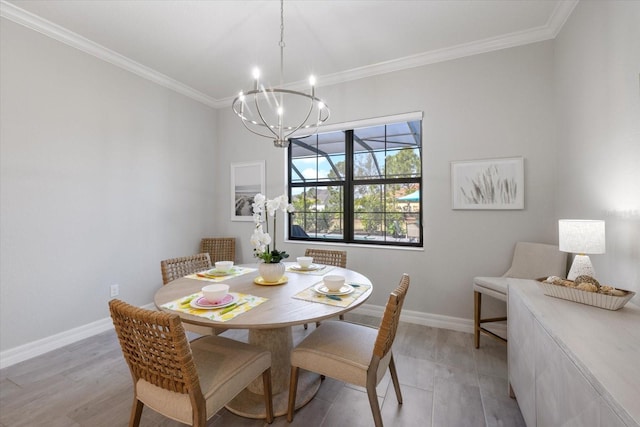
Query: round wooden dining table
[[270, 327]]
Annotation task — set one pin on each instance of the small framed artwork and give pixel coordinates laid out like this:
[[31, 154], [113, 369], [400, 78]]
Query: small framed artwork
[[247, 179], [488, 184]]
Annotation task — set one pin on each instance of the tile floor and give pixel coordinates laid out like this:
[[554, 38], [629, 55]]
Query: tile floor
[[444, 380]]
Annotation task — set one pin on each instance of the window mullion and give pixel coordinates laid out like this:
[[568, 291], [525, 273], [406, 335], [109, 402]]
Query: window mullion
[[348, 187]]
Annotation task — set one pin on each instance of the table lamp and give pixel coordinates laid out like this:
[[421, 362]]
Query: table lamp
[[582, 237]]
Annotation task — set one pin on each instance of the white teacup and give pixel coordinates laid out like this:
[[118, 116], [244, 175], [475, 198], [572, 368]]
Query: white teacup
[[215, 293], [304, 261], [333, 282], [224, 266]]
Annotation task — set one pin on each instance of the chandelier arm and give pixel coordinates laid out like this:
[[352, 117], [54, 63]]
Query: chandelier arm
[[305, 119], [255, 97], [246, 120], [266, 135]]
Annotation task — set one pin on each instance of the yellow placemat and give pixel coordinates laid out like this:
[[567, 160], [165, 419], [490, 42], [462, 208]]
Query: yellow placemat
[[235, 271], [244, 303], [310, 294], [319, 272]]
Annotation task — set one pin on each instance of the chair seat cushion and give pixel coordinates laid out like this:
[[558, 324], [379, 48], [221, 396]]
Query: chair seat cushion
[[494, 286], [225, 367], [339, 350]]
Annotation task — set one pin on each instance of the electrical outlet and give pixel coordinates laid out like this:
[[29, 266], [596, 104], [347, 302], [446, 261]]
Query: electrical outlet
[[115, 290]]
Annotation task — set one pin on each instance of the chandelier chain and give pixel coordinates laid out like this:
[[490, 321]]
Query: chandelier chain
[[282, 41]]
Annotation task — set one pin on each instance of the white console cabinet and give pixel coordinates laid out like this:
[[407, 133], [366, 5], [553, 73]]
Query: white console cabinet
[[572, 364]]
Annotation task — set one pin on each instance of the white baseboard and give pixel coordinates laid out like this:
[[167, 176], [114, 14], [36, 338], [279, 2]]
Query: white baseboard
[[45, 345], [420, 318]]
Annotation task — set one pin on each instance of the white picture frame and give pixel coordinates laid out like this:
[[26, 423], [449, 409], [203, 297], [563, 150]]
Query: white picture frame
[[488, 184], [247, 179]]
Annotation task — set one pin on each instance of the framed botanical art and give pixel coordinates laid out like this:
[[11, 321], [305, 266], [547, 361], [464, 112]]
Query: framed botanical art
[[488, 184], [247, 179]]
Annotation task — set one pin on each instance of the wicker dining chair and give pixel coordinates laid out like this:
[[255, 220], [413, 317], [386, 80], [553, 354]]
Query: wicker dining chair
[[352, 353], [219, 248], [327, 257], [187, 382], [323, 256], [176, 268]]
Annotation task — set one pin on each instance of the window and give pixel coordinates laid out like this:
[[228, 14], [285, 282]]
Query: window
[[359, 184]]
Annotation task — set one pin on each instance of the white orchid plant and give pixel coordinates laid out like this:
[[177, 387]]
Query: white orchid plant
[[260, 239]]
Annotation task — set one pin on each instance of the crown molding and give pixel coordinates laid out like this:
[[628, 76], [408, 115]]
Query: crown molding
[[546, 32], [432, 57], [560, 15], [48, 28]]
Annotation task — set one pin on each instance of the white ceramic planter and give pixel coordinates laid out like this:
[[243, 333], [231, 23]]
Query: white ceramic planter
[[271, 272]]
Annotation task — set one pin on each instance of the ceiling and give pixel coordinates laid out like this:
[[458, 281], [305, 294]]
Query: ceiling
[[206, 49]]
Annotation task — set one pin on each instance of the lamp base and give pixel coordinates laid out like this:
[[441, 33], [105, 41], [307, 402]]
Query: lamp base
[[581, 266]]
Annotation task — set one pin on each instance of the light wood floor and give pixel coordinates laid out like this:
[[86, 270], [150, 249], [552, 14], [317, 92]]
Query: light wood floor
[[444, 380]]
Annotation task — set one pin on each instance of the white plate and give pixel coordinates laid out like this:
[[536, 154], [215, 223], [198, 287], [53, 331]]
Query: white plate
[[312, 267], [206, 305], [322, 289]]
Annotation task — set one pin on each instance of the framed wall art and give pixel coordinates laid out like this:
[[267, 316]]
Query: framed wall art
[[488, 184], [247, 179]]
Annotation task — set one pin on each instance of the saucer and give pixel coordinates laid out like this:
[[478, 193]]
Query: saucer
[[312, 267], [260, 281], [322, 289], [203, 304], [215, 273]]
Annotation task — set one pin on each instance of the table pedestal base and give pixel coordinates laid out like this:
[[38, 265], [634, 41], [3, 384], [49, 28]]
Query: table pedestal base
[[251, 405]]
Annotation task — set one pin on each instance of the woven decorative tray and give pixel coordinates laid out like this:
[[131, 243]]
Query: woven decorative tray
[[608, 302]]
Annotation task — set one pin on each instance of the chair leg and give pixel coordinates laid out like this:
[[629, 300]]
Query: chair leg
[[293, 389], [477, 303], [306, 326], [200, 418], [268, 394], [136, 412], [341, 317], [394, 378], [373, 402]]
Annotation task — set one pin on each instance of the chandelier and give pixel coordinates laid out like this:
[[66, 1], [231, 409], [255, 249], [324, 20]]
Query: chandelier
[[262, 109]]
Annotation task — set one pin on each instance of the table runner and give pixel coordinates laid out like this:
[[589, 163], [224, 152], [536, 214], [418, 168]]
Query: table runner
[[222, 314], [234, 272], [319, 272], [310, 294]]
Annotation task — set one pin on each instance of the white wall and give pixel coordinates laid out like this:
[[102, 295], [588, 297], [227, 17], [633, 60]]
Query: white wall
[[597, 68], [103, 174], [498, 104]]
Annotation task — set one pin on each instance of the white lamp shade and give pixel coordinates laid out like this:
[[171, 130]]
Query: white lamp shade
[[581, 236]]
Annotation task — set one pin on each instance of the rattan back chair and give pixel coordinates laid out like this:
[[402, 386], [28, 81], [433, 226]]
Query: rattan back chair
[[323, 256], [187, 382], [176, 268], [219, 248], [327, 257], [352, 353]]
